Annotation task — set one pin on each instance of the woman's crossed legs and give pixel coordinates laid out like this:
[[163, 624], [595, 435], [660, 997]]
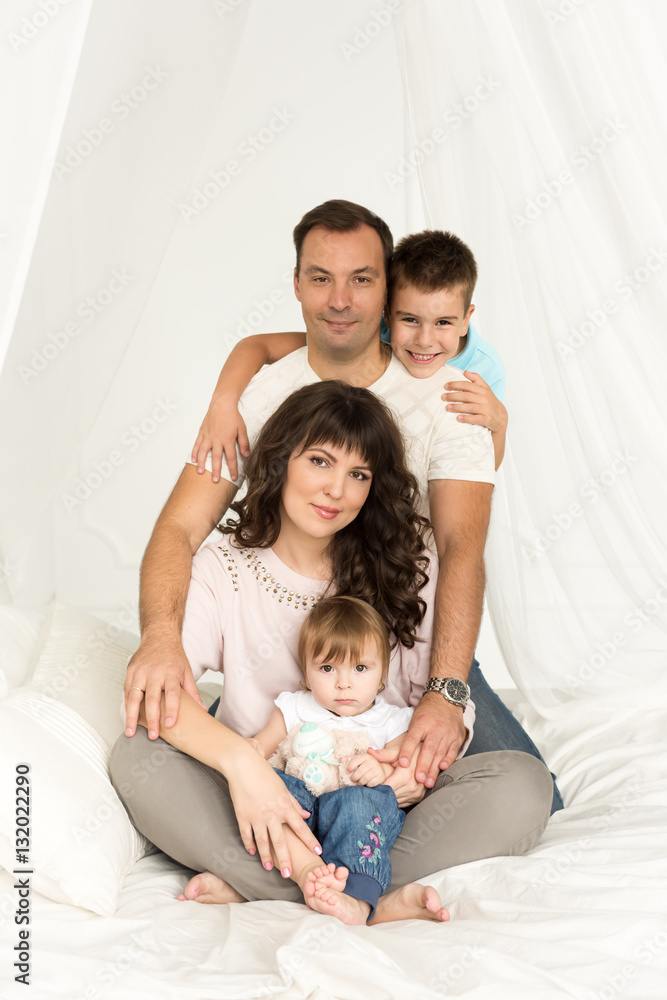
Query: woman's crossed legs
[[487, 805]]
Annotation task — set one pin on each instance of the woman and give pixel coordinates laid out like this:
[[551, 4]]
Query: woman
[[330, 507]]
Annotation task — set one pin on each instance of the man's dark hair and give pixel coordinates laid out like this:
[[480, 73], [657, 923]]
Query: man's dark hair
[[343, 217]]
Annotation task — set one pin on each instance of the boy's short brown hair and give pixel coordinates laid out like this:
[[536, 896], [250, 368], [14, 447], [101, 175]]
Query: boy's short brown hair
[[433, 261], [339, 627]]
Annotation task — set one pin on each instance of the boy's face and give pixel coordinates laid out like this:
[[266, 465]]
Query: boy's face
[[349, 687], [427, 328]]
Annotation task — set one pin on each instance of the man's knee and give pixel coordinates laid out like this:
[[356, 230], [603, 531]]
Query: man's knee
[[527, 796]]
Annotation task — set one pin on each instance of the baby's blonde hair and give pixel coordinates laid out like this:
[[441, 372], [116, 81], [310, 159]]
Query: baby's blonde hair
[[340, 627]]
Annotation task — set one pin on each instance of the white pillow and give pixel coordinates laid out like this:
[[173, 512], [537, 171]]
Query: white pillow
[[82, 666], [82, 843], [21, 639]]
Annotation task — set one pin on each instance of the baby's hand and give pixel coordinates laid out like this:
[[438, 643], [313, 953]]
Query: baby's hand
[[220, 429], [476, 403], [366, 770]]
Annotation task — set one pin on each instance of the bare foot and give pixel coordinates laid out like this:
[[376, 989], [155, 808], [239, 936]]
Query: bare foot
[[209, 888], [410, 902], [321, 897], [329, 876]]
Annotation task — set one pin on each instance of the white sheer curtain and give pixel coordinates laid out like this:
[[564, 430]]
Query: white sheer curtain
[[538, 130], [114, 104]]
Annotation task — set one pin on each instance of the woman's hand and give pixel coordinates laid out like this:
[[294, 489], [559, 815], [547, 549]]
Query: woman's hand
[[222, 426], [407, 789], [263, 805]]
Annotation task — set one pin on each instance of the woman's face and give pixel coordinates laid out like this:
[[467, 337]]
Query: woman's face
[[325, 489]]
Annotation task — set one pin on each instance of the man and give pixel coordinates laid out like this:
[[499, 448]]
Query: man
[[343, 251]]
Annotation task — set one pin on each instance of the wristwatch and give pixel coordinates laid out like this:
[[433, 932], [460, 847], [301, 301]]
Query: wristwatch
[[453, 689]]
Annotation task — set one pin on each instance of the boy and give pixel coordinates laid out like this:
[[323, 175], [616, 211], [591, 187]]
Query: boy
[[431, 282]]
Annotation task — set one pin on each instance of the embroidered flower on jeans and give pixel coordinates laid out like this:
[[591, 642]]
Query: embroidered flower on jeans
[[371, 854]]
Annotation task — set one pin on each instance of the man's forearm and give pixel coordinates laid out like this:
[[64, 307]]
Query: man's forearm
[[164, 582], [458, 614]]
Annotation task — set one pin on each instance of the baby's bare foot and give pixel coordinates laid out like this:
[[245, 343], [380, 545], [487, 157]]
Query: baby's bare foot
[[410, 902], [209, 888], [334, 903], [329, 876]]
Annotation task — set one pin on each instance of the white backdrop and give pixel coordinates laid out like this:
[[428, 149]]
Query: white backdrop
[[163, 153]]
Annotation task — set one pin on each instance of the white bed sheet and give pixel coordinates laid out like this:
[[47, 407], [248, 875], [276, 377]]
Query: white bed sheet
[[583, 916]]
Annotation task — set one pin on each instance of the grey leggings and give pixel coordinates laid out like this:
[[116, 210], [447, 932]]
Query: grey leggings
[[483, 806]]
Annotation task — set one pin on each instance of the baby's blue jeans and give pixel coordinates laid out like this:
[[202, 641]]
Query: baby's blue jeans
[[357, 827]]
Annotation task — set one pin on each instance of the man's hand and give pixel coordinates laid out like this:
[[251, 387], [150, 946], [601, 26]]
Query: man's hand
[[438, 727], [368, 771], [476, 403], [221, 428], [154, 668]]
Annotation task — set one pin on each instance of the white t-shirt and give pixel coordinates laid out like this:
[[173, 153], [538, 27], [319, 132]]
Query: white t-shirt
[[382, 723], [244, 610], [438, 446]]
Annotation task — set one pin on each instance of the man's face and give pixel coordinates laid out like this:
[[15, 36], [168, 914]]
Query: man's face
[[342, 288]]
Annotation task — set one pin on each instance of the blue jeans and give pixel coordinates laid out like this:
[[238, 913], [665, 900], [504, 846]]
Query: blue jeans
[[357, 827], [497, 729]]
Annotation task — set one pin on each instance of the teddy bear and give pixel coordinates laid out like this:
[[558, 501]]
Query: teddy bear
[[318, 754]]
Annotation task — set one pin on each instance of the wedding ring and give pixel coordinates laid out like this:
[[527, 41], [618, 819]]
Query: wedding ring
[[135, 688]]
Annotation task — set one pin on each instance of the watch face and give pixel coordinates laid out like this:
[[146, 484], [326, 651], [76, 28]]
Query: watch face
[[457, 690]]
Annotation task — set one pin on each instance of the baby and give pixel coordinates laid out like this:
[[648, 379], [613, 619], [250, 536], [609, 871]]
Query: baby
[[344, 655]]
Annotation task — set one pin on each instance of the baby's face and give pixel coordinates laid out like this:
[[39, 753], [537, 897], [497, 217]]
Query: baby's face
[[427, 328], [348, 687]]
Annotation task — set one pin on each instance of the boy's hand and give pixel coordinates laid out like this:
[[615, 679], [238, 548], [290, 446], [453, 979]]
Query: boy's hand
[[366, 770], [476, 403], [220, 429]]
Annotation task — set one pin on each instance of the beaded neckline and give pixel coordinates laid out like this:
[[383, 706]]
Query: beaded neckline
[[266, 579]]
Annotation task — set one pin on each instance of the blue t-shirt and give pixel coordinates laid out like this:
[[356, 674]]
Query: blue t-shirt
[[477, 356]]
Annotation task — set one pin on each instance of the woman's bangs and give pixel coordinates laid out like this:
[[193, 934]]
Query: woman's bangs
[[350, 435]]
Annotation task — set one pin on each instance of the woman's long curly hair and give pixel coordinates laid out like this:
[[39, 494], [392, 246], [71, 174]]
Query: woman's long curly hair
[[378, 557]]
